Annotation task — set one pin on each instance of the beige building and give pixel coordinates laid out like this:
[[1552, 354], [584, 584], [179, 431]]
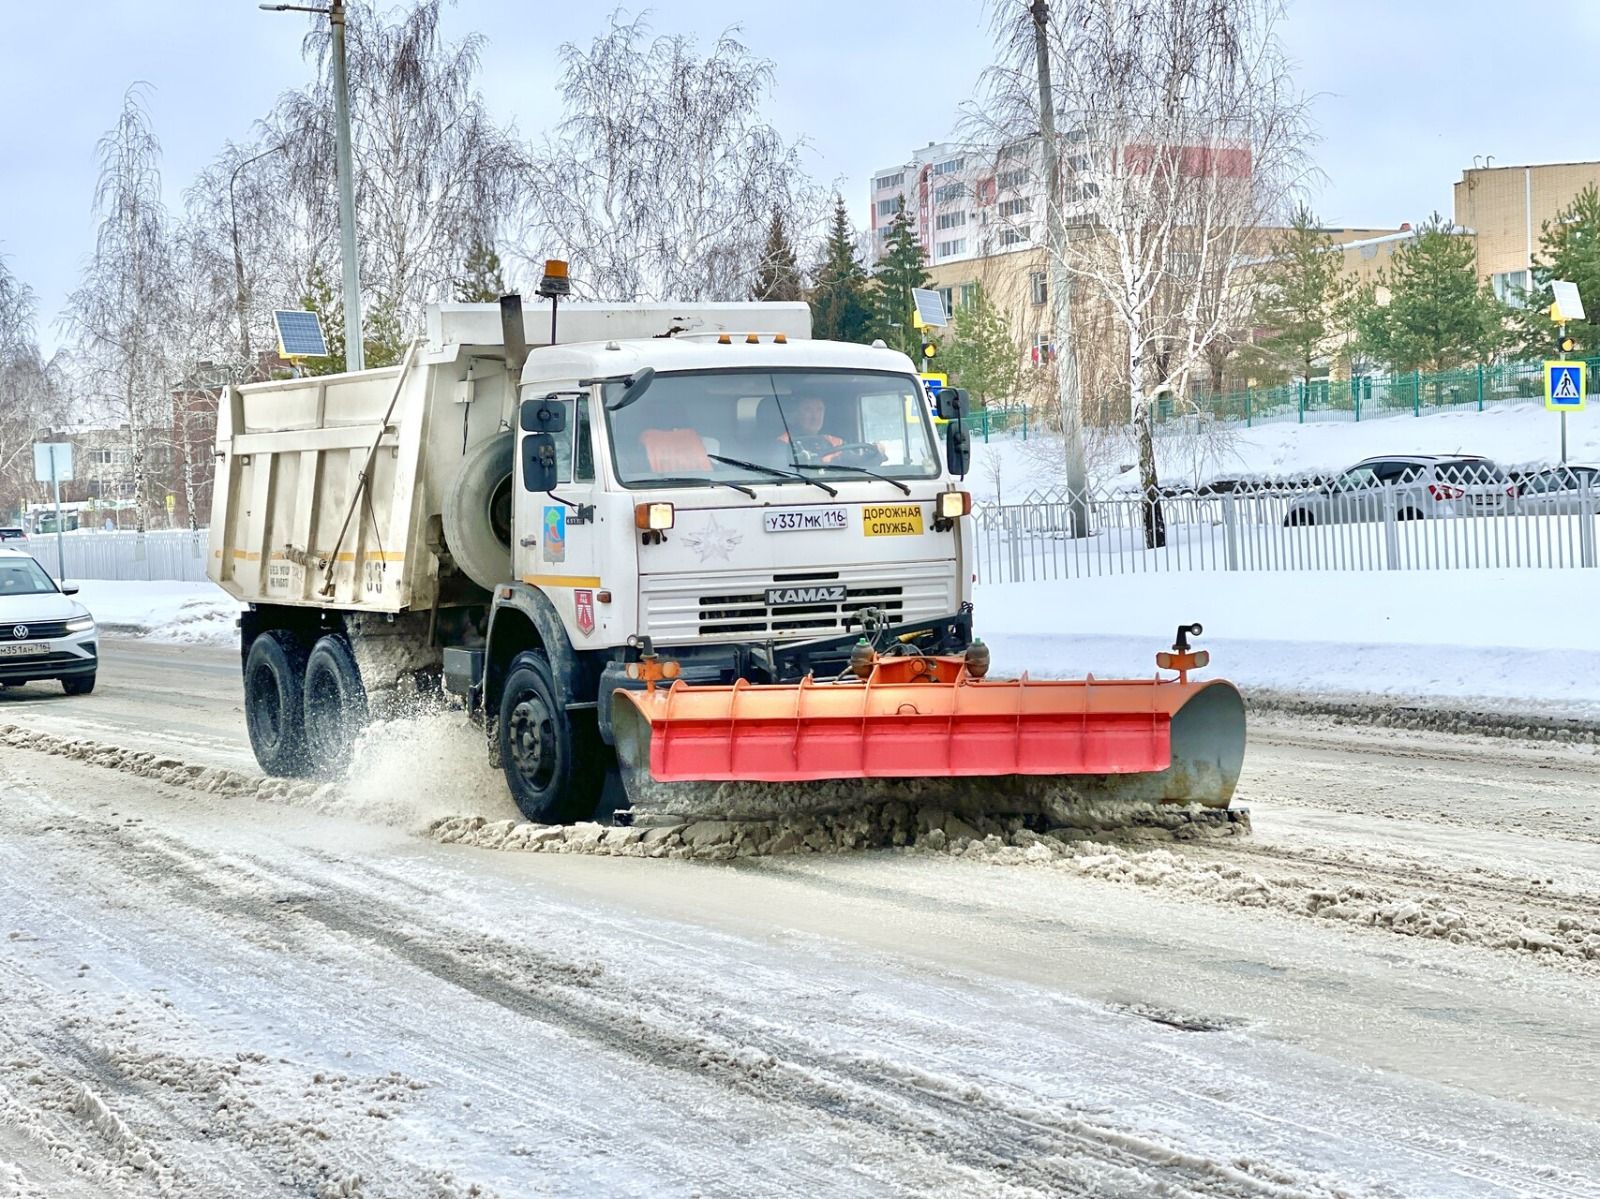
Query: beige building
[[1506, 208]]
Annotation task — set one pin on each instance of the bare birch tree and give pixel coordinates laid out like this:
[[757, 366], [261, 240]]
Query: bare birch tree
[[30, 393], [122, 310], [662, 180], [1182, 135]]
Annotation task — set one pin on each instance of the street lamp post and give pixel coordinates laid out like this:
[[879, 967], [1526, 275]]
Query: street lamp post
[[240, 296], [354, 358]]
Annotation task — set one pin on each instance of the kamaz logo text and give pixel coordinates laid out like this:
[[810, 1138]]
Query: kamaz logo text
[[822, 593]]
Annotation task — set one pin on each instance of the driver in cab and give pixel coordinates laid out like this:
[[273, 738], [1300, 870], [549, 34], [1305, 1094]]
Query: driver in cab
[[805, 416]]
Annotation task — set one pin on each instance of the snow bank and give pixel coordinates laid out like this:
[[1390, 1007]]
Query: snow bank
[[189, 613], [1514, 435], [1480, 634]]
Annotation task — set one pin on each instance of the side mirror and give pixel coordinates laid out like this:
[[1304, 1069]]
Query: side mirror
[[544, 415], [951, 404], [539, 462], [69, 589], [958, 450]]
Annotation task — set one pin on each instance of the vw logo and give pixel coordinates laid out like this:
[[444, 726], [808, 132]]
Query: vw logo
[[19, 631]]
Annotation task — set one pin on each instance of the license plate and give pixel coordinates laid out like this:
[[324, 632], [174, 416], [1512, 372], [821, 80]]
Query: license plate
[[23, 649], [800, 520]]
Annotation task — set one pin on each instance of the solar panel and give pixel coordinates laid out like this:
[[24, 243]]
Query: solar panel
[[930, 306], [300, 335]]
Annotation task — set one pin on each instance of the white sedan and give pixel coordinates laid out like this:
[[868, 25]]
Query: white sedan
[[44, 634]]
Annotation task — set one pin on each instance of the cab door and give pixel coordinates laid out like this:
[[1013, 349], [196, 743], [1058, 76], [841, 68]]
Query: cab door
[[559, 544]]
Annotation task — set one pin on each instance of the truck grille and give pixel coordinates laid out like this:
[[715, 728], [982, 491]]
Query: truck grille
[[677, 609]]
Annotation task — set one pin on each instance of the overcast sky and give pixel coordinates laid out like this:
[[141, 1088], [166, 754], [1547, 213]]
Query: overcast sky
[[1406, 91]]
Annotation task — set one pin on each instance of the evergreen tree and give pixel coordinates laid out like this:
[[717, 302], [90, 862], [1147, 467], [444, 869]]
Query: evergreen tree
[[322, 298], [481, 280], [840, 310], [1569, 248], [1304, 293], [778, 277], [901, 269], [983, 357], [1439, 314]]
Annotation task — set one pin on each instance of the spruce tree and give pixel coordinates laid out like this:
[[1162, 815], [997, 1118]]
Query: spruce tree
[[1305, 290], [481, 280], [983, 356], [840, 310], [901, 269], [779, 275], [1439, 314], [1569, 249], [322, 298]]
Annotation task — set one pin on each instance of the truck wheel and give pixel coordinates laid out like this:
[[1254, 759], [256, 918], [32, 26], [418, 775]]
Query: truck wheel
[[477, 511], [274, 690], [541, 751], [335, 705]]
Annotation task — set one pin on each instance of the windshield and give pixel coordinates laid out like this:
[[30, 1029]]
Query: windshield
[[771, 427], [23, 576]]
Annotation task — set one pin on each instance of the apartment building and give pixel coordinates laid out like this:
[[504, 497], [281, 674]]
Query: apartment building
[[965, 201]]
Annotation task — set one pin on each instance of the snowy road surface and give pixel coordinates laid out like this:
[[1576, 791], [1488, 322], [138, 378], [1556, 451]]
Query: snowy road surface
[[1392, 989]]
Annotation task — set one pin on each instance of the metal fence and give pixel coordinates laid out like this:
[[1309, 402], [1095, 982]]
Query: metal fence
[[1287, 528], [169, 554], [1365, 397]]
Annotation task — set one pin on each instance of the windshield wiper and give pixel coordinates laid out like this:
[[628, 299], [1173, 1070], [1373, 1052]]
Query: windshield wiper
[[773, 471], [860, 470], [697, 481]]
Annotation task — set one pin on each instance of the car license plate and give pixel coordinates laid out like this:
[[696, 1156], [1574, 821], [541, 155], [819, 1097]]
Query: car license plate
[[23, 649], [799, 520]]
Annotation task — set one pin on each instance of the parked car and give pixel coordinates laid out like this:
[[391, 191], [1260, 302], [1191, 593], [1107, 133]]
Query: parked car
[[1560, 490], [1421, 485], [44, 633], [13, 537]]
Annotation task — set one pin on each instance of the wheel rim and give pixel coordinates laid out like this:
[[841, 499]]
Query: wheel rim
[[533, 741], [267, 705]]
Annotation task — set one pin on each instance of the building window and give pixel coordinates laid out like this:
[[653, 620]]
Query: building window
[[948, 192], [1085, 191], [1014, 207], [1510, 287], [884, 182], [948, 248], [950, 220], [1078, 162], [1038, 287], [1013, 237], [1013, 179], [1042, 352], [947, 300], [891, 206], [969, 294], [949, 166]]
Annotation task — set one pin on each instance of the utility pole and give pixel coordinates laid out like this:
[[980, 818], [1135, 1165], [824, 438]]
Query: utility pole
[[240, 295], [354, 358], [1066, 356]]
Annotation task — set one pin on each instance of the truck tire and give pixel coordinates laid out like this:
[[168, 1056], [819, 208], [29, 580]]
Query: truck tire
[[335, 705], [274, 704], [477, 511], [554, 765]]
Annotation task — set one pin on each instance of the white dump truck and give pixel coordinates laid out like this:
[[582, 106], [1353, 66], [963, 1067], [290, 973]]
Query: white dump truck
[[691, 521]]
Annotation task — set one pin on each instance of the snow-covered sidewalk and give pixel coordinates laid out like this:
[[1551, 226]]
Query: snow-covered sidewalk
[[190, 613], [1468, 635]]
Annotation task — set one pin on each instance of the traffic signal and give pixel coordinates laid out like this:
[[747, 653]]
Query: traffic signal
[[1566, 344], [930, 350]]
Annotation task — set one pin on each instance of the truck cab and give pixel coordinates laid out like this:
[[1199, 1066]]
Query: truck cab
[[746, 504]]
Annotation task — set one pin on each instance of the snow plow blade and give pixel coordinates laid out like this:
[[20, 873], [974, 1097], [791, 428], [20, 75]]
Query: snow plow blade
[[925, 730]]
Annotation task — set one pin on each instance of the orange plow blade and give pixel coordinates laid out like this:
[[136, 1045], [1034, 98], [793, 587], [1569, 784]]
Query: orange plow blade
[[924, 728]]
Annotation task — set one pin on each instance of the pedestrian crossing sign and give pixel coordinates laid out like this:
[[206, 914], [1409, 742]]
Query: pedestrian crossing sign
[[1564, 386]]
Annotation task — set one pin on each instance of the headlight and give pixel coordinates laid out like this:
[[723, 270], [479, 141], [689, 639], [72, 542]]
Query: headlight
[[79, 624], [653, 516]]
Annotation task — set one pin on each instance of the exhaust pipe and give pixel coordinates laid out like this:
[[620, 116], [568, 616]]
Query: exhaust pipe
[[513, 335]]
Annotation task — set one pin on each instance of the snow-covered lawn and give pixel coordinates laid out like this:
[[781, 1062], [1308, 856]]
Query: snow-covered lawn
[[1518, 435], [1523, 634], [192, 613]]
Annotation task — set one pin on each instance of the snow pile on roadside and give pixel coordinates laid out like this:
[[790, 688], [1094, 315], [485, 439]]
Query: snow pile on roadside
[[186, 613], [1468, 634], [1514, 435]]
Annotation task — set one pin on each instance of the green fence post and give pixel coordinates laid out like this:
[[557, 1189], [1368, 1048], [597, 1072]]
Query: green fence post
[[1248, 414], [1416, 393], [985, 426], [1300, 389], [1024, 423], [1480, 387]]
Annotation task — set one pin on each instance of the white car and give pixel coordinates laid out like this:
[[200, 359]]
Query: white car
[[44, 634]]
